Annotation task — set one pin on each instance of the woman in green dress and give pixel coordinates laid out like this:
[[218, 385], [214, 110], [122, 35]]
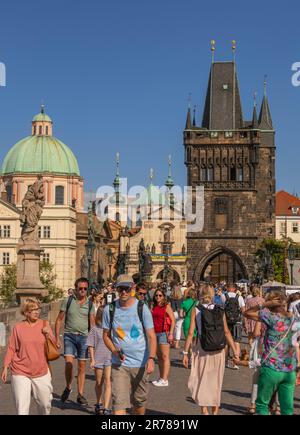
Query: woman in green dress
[[186, 310]]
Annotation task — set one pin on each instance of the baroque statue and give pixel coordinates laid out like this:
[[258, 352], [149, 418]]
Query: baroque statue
[[32, 208]]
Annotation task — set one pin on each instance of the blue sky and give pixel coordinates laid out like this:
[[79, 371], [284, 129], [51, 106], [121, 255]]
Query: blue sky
[[115, 76]]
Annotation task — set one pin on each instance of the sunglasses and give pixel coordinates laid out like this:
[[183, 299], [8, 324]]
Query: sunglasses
[[142, 294], [82, 288], [159, 296], [124, 289]]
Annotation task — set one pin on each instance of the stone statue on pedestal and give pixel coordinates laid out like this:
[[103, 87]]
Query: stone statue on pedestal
[[28, 249]]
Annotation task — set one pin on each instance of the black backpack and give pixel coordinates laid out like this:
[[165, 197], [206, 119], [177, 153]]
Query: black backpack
[[232, 310], [212, 337], [140, 307], [70, 299]]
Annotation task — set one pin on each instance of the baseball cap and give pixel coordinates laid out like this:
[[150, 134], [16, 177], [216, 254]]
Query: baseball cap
[[124, 281]]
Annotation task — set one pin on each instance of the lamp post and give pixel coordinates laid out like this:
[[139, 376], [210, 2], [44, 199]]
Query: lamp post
[[109, 261], [91, 245], [291, 257]]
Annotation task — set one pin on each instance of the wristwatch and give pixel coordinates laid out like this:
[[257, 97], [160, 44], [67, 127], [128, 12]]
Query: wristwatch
[[152, 357], [184, 352]]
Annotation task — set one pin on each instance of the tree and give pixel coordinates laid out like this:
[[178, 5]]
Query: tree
[[48, 278], [8, 283], [276, 249]]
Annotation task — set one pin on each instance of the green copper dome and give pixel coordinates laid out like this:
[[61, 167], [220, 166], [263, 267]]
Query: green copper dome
[[42, 117], [38, 154]]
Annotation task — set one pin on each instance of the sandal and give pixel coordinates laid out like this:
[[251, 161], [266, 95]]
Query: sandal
[[251, 410]]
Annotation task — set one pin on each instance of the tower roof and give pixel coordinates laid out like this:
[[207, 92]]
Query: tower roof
[[265, 119], [223, 108]]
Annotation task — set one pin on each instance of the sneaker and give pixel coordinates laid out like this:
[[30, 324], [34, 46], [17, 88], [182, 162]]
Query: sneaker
[[160, 383], [107, 412], [98, 409], [81, 400], [65, 395]]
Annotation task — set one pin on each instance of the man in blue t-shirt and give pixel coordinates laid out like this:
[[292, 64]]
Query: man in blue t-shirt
[[133, 347]]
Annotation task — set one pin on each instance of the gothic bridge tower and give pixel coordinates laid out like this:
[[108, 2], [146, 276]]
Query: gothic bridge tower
[[234, 160]]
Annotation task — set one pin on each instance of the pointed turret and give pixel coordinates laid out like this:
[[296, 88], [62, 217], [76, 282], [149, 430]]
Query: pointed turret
[[169, 183], [117, 181], [265, 119], [254, 116], [188, 123]]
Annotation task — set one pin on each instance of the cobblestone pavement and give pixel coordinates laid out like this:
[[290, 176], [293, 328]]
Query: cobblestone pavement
[[172, 400]]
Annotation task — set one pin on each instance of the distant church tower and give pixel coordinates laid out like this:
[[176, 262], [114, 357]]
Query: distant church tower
[[235, 162]]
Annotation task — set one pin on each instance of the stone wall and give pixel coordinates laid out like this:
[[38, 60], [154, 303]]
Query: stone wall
[[9, 317]]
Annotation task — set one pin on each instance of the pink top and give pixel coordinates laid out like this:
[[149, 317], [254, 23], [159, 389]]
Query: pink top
[[25, 354]]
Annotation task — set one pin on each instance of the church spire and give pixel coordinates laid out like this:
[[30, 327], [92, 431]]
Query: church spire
[[117, 181], [265, 119], [169, 183]]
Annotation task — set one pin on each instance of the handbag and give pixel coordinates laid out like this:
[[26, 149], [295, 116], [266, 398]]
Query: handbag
[[51, 350], [167, 323]]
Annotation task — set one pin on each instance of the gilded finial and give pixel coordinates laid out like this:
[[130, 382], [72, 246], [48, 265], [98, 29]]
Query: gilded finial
[[254, 98], [213, 49], [265, 85], [233, 45], [151, 174], [190, 100]]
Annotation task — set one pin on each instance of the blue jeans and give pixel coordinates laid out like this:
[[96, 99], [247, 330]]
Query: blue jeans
[[75, 345]]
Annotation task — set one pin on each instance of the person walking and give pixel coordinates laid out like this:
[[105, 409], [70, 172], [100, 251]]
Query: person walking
[[129, 334], [234, 306], [207, 368], [164, 325], [101, 363], [279, 369], [79, 314], [186, 309], [97, 299], [141, 293], [26, 359], [176, 301], [253, 301]]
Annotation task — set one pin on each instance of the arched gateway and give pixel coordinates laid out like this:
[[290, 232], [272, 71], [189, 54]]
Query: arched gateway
[[221, 264]]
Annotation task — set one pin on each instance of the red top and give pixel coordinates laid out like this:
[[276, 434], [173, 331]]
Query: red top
[[159, 315], [25, 354]]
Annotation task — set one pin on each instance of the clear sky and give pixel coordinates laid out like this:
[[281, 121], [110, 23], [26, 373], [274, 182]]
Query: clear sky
[[115, 76]]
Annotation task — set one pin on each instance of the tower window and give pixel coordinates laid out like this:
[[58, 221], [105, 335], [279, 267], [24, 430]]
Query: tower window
[[118, 217], [59, 195], [40, 130], [47, 129], [239, 174], [210, 174], [232, 174], [203, 174]]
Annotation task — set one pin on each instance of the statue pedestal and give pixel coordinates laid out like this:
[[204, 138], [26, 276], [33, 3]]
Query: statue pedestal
[[28, 271]]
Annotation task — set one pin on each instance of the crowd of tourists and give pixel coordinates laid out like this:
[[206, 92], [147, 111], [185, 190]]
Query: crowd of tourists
[[123, 328]]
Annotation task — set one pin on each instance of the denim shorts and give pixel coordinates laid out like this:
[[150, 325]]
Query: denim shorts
[[75, 345], [103, 365], [162, 338]]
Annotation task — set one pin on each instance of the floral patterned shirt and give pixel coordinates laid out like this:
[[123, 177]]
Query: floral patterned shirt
[[283, 358]]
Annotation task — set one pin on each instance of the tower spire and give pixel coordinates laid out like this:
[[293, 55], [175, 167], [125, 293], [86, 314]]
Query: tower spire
[[117, 182], [265, 119], [169, 183], [188, 123], [254, 116]]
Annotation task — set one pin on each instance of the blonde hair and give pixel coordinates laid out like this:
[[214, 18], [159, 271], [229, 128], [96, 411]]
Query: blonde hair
[[207, 294], [255, 291], [28, 304]]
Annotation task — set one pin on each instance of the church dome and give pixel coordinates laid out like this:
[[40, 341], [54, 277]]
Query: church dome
[[40, 153]]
